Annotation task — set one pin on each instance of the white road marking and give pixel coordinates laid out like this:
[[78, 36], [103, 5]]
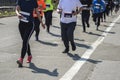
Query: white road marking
[[78, 64]]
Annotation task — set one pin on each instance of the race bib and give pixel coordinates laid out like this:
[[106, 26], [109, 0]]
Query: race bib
[[97, 6], [67, 15], [84, 5], [47, 5], [26, 16]]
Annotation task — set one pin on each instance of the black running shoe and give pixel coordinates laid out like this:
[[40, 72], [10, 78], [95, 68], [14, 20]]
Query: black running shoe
[[66, 50], [20, 62], [73, 46]]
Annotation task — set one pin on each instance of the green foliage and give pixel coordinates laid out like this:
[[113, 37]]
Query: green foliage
[[7, 13]]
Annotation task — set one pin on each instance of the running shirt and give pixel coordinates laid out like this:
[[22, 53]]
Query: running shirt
[[27, 6], [41, 7], [49, 5], [98, 6], [67, 7], [86, 6]]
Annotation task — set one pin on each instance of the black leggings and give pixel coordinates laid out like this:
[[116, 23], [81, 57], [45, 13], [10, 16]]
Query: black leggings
[[37, 28], [96, 18], [85, 19], [48, 18], [26, 30]]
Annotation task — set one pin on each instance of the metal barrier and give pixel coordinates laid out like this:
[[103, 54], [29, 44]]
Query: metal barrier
[[7, 7], [7, 2]]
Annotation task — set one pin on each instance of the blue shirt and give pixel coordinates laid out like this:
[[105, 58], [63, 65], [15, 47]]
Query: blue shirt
[[98, 7], [28, 6]]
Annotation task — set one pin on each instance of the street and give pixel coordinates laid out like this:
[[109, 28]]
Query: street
[[97, 56]]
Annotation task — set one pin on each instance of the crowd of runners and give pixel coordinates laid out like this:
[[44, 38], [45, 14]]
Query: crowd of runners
[[31, 12]]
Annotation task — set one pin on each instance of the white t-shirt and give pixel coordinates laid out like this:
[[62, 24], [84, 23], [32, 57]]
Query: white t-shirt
[[67, 7]]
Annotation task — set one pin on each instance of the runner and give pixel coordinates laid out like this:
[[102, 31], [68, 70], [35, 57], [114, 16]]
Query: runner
[[41, 7], [68, 21], [86, 13], [24, 11], [98, 6], [48, 14]]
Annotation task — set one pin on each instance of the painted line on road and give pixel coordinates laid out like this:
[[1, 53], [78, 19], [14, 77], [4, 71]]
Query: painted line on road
[[78, 64]]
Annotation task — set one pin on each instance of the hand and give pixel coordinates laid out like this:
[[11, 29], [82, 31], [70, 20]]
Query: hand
[[59, 11], [43, 25], [20, 16], [75, 13]]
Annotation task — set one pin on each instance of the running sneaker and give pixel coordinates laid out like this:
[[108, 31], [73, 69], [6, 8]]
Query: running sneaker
[[29, 59], [20, 62]]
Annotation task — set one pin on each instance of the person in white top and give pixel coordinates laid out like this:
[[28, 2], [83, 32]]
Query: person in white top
[[68, 10]]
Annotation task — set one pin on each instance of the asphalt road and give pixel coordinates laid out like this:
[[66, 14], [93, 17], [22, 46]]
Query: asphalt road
[[97, 56]]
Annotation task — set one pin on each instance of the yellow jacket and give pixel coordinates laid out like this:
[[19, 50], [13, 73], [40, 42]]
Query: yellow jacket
[[49, 5]]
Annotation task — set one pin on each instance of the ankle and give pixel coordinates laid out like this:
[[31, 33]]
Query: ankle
[[21, 60], [29, 59]]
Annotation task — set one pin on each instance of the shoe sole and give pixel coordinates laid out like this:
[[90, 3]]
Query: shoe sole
[[74, 49], [65, 52], [28, 61], [19, 64]]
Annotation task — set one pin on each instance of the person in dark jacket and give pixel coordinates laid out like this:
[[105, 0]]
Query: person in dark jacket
[[98, 6], [48, 14], [86, 13]]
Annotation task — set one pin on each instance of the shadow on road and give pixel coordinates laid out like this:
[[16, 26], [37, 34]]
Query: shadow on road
[[74, 56], [117, 22], [56, 27], [113, 22], [77, 57], [82, 45], [35, 69], [91, 33], [106, 31], [48, 43], [79, 39], [54, 34], [90, 60], [2, 24]]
